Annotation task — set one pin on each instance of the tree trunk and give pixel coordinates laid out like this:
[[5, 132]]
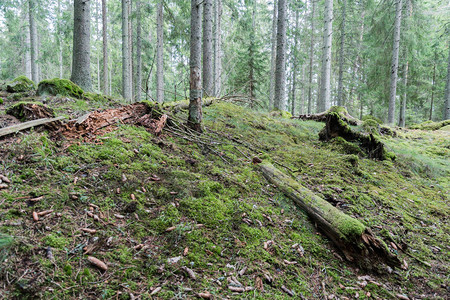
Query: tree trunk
[[217, 47], [447, 90], [126, 88], [311, 56], [280, 71], [295, 63], [81, 62], [195, 94], [402, 116], [130, 47], [325, 82], [356, 241], [27, 55], [138, 51], [433, 84], [59, 39], [357, 64], [33, 42], [105, 47], [273, 55], [394, 66], [207, 47], [341, 101], [160, 53]]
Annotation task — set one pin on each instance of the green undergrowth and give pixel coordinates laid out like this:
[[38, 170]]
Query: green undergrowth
[[157, 198]]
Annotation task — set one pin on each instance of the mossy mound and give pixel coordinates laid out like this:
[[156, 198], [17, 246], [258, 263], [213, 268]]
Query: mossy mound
[[281, 113], [57, 86], [430, 125], [20, 84], [27, 111], [370, 117]]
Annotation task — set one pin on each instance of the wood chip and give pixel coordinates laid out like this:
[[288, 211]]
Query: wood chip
[[133, 197], [119, 216], [171, 228], [45, 212], [118, 191], [4, 179], [287, 291], [204, 295], [290, 262], [88, 230], [402, 297], [155, 291], [242, 272], [259, 284], [35, 216], [98, 263], [236, 289], [186, 251], [3, 186], [36, 199], [190, 272]]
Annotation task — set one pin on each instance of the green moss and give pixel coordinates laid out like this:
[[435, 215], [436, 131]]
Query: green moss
[[20, 84], [371, 126], [347, 147], [1, 100], [281, 114], [55, 241], [373, 118], [57, 86], [339, 110], [430, 125]]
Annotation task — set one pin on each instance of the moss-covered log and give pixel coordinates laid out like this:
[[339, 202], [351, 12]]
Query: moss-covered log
[[61, 87], [355, 240], [28, 111], [20, 84], [322, 117], [335, 126]]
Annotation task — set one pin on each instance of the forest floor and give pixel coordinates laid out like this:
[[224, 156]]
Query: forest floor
[[180, 216]]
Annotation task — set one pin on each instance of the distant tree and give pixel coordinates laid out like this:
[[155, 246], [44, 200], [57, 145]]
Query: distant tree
[[280, 71], [105, 47], [138, 51], [394, 65], [160, 53], [447, 90], [217, 47], [81, 63], [311, 56], [33, 41], [126, 86], [207, 72], [273, 54], [325, 83], [340, 100], [195, 93]]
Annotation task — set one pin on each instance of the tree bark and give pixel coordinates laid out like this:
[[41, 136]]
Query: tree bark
[[126, 88], [130, 46], [355, 240], [218, 48], [402, 116], [433, 85], [81, 62], [33, 42], [273, 55], [311, 56], [280, 71], [59, 39], [105, 47], [138, 52], [160, 53], [446, 114], [207, 48], [325, 86], [27, 55], [341, 99], [195, 94], [295, 63], [394, 66]]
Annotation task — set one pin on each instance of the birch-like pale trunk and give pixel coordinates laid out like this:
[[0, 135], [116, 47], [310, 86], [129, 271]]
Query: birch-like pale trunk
[[33, 42], [394, 65], [130, 47], [280, 70], [295, 63], [217, 47], [207, 72], [160, 53], [195, 93], [311, 56], [81, 59], [126, 87], [341, 100], [273, 55], [447, 90], [138, 51], [105, 47], [27, 55], [325, 82]]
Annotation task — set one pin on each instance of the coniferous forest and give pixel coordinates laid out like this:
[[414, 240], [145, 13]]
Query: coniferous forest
[[224, 149]]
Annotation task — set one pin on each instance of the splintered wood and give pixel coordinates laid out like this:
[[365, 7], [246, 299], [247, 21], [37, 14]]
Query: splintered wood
[[97, 123]]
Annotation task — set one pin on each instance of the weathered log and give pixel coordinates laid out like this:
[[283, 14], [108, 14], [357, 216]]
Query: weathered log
[[354, 239], [26, 125], [322, 117], [28, 111]]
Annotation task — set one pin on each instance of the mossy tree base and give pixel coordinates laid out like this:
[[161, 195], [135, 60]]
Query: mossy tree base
[[355, 240], [28, 111], [336, 126]]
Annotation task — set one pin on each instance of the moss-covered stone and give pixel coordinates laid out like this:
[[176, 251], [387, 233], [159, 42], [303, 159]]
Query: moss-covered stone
[[20, 84], [57, 86]]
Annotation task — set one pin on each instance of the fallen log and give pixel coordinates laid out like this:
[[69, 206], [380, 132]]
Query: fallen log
[[322, 117], [26, 125], [354, 239]]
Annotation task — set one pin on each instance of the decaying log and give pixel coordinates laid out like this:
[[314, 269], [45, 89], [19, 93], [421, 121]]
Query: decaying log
[[322, 117], [356, 241], [26, 125], [28, 111]]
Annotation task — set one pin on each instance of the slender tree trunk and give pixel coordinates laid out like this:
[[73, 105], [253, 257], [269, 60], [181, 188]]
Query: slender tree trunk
[[59, 39], [280, 71], [341, 100], [394, 66], [273, 54], [97, 38], [433, 87], [325, 88], [402, 116], [447, 90], [81, 62], [295, 63], [130, 47], [160, 53], [357, 64], [27, 55], [195, 94], [138, 51], [311, 56], [303, 96], [217, 48], [126, 88], [33, 42], [251, 61], [105, 47], [207, 47]]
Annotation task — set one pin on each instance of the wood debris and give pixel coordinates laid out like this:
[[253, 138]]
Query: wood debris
[[98, 263], [190, 272]]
